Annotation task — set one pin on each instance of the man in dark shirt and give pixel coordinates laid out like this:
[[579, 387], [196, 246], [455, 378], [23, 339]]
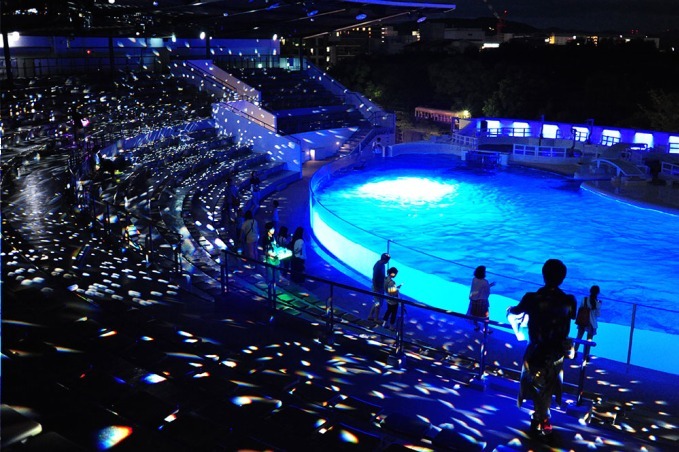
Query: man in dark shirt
[[550, 311], [379, 274]]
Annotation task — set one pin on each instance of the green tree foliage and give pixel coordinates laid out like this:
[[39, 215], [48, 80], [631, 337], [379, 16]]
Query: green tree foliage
[[662, 111], [519, 94], [609, 83], [460, 82]]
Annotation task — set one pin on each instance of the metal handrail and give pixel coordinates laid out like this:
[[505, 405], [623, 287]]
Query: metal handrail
[[398, 354]]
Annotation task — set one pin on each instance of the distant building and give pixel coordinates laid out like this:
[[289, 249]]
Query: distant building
[[440, 116]]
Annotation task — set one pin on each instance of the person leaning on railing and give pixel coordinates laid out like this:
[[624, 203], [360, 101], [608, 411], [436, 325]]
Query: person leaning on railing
[[588, 313]]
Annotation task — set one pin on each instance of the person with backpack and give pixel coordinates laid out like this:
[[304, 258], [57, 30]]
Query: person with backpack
[[588, 312], [550, 311], [478, 296]]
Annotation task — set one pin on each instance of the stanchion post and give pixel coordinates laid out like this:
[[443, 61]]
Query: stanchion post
[[397, 359], [107, 220], [631, 336], [583, 370], [271, 288], [482, 360], [226, 269], [399, 333], [223, 275], [150, 241], [177, 257], [330, 316]]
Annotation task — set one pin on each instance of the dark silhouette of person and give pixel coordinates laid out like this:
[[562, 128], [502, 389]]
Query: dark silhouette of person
[[255, 183], [550, 311], [298, 262], [378, 147], [249, 236], [379, 273], [478, 296], [389, 320], [271, 257], [654, 168]]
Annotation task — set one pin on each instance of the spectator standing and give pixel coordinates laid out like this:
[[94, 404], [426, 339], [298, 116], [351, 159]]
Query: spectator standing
[[236, 227], [275, 215], [249, 234], [232, 196], [283, 240], [550, 311], [298, 263], [593, 304], [271, 254], [392, 290], [379, 274], [254, 188], [478, 296], [378, 147]]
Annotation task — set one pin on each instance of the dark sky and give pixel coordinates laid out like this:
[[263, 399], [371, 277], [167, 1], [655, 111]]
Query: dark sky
[[648, 16]]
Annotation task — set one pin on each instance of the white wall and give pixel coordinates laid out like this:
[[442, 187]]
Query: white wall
[[321, 144], [281, 148]]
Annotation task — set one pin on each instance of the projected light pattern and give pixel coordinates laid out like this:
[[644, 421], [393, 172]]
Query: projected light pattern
[[111, 436], [192, 367], [442, 219]]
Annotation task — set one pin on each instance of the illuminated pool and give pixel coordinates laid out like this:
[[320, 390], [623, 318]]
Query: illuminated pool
[[440, 219]]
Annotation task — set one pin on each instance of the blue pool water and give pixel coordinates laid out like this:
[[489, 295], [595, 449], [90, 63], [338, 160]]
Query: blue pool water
[[443, 218]]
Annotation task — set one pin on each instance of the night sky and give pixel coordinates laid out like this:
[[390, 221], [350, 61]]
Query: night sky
[[647, 16]]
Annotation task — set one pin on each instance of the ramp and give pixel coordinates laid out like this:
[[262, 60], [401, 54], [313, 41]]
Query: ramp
[[623, 168]]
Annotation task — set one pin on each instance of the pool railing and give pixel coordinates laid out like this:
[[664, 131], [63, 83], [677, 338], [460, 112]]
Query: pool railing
[[619, 336]]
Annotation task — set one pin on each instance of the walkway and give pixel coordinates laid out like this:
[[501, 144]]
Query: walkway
[[623, 167]]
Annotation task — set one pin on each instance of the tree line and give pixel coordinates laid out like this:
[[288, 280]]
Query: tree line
[[631, 85]]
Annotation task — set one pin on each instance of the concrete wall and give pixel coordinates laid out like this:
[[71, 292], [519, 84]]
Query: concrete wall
[[281, 148]]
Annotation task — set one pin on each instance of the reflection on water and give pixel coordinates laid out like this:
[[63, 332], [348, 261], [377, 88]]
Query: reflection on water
[[512, 220], [405, 191]]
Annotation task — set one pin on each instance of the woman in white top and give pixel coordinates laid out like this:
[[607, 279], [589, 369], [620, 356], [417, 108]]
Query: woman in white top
[[478, 295], [594, 305]]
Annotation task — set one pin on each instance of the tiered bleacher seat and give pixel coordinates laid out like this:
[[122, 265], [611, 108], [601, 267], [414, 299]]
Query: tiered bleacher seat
[[299, 102]]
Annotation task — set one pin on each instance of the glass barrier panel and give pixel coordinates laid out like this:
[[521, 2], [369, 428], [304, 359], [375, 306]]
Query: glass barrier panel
[[651, 348]]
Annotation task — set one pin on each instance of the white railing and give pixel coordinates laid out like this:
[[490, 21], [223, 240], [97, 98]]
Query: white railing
[[540, 151], [670, 170], [465, 141]]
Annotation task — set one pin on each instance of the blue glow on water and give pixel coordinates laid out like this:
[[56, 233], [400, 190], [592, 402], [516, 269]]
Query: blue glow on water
[[405, 190], [442, 219]]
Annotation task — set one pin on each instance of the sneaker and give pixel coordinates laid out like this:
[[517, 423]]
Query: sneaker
[[546, 427], [542, 428]]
